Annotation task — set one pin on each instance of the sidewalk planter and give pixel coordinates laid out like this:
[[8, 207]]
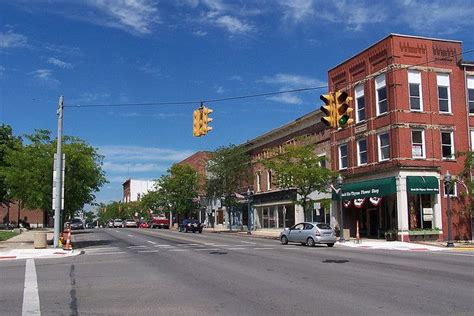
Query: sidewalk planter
[[424, 234], [391, 235]]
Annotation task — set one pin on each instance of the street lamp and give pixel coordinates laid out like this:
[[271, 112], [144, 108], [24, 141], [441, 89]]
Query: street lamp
[[249, 216], [447, 184], [339, 186]]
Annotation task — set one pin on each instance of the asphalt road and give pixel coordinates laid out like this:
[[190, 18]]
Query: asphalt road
[[162, 272]]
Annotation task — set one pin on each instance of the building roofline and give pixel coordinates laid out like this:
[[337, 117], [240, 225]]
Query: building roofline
[[467, 63], [388, 36]]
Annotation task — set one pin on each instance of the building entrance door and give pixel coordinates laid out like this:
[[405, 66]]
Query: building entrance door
[[373, 222]]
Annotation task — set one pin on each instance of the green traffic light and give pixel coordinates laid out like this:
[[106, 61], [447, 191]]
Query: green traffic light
[[343, 120]]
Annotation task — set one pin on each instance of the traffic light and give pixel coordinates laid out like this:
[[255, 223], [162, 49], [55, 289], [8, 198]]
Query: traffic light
[[343, 109], [329, 109], [205, 119], [197, 122]]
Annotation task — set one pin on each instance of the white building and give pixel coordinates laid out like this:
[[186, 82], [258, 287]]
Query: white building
[[133, 190]]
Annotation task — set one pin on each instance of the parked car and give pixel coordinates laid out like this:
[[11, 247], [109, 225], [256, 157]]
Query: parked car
[[144, 225], [160, 222], [110, 224], [130, 223], [309, 233], [77, 223], [192, 225], [118, 223]]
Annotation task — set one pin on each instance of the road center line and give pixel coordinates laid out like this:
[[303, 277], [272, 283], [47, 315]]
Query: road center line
[[143, 251], [151, 242], [130, 236], [31, 302]]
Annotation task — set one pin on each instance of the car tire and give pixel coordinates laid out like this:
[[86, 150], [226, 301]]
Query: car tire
[[284, 240], [330, 245], [310, 242]]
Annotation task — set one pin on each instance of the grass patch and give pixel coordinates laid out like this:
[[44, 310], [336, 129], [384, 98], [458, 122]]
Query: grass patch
[[7, 235]]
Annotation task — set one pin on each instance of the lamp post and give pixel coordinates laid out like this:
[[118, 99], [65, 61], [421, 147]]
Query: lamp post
[[339, 185], [249, 216], [447, 182]]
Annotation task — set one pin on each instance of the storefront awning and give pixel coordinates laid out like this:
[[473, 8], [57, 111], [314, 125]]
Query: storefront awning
[[422, 185], [369, 188]]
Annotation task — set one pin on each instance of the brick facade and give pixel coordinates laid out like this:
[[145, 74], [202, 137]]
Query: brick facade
[[13, 213]]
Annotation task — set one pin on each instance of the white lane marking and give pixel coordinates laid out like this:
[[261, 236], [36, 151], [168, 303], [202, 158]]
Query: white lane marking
[[142, 251], [262, 248], [31, 302], [151, 242], [208, 249], [209, 243], [163, 246], [249, 242], [222, 245], [106, 253], [236, 248], [179, 250], [117, 231], [130, 236], [133, 247]]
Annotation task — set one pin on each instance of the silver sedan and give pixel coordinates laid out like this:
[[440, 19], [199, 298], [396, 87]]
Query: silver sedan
[[309, 233]]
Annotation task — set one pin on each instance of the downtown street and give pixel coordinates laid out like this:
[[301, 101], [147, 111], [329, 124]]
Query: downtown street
[[164, 272]]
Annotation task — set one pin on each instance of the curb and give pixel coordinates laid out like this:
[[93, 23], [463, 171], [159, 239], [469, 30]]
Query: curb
[[27, 254]]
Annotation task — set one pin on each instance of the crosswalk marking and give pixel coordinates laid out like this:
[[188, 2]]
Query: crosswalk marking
[[144, 251], [178, 250], [151, 242]]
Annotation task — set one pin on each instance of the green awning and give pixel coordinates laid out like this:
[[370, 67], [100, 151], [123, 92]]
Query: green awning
[[422, 185], [369, 188]]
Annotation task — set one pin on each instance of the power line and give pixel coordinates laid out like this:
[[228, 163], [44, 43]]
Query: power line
[[248, 96]]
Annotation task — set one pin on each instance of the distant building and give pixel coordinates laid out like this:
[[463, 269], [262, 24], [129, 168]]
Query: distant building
[[133, 190], [13, 213]]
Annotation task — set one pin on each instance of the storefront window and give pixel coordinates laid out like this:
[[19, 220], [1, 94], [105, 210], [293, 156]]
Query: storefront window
[[420, 208]]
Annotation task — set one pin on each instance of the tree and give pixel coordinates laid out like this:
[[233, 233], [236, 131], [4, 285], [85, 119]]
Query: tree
[[465, 177], [8, 142], [298, 168], [228, 170], [29, 175]]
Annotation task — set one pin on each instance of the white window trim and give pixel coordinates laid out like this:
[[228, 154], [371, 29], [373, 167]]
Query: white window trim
[[415, 79], [379, 84], [423, 143], [455, 190], [269, 184], [446, 85], [340, 157], [258, 182], [379, 147], [322, 155], [359, 92], [366, 151], [451, 135]]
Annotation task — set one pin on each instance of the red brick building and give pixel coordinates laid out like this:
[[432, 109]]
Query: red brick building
[[413, 101], [13, 213]]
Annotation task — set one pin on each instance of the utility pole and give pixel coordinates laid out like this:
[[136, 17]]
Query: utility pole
[[59, 177]]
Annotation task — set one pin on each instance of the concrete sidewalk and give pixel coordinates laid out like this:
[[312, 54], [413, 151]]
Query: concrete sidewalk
[[22, 247], [364, 242]]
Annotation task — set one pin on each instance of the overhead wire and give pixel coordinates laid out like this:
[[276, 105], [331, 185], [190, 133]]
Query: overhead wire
[[258, 95]]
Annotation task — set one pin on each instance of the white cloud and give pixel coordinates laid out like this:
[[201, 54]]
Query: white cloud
[[286, 98], [233, 24], [220, 90], [292, 81], [12, 40], [133, 167], [88, 97], [297, 10], [45, 77], [150, 69], [236, 78], [137, 16], [59, 63], [200, 33], [2, 71]]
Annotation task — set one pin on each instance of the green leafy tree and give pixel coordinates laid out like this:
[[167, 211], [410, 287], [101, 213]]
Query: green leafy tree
[[29, 175], [8, 142], [300, 169], [228, 170], [465, 177]]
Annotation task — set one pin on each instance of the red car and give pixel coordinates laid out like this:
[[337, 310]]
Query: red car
[[143, 225]]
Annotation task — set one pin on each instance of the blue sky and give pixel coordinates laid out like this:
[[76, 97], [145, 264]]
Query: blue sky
[[133, 51]]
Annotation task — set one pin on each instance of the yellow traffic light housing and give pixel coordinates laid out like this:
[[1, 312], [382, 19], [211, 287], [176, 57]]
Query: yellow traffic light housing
[[197, 122], [329, 110], [205, 128], [344, 111]]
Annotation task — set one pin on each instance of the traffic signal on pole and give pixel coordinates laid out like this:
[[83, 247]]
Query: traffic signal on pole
[[197, 122], [329, 109], [343, 109], [205, 119]]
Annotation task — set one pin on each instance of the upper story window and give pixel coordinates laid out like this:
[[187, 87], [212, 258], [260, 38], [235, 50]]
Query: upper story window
[[360, 103], [447, 144], [343, 156], [470, 93], [451, 187], [259, 182], [381, 94], [418, 143], [444, 99], [414, 85], [322, 160], [269, 180], [384, 147], [362, 152]]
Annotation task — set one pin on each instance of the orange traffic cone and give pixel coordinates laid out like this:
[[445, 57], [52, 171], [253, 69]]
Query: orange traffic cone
[[68, 244]]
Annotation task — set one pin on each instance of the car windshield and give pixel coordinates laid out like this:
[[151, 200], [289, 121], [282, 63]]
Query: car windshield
[[323, 226], [76, 220]]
